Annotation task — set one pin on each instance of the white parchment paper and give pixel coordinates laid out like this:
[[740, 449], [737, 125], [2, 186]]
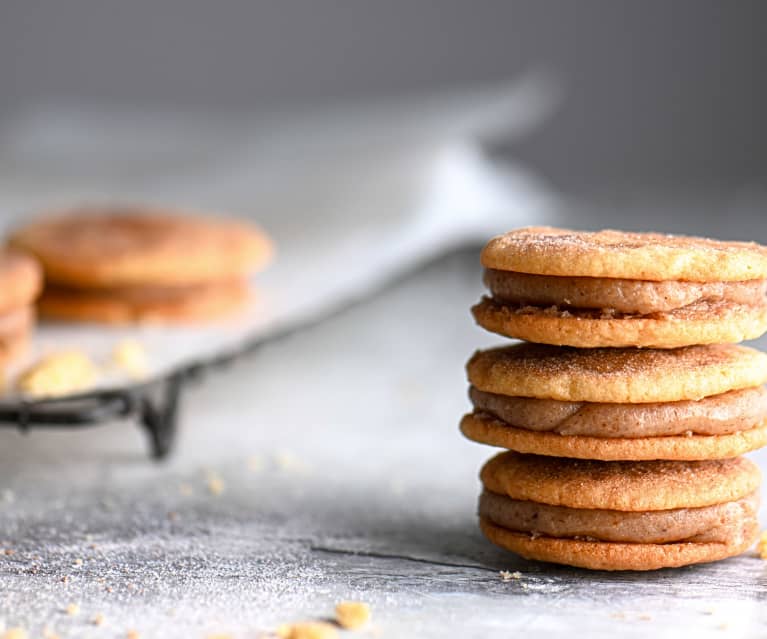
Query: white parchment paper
[[352, 196]]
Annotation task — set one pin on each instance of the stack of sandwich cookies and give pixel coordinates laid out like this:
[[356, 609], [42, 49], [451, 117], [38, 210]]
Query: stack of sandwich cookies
[[143, 265], [627, 417], [20, 284]]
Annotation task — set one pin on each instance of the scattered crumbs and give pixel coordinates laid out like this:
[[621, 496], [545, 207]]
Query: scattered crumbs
[[109, 589], [307, 630], [98, 619], [15, 633], [65, 579], [73, 609], [185, 489], [290, 462], [509, 576], [58, 374], [130, 356], [761, 546], [78, 562], [132, 634], [352, 614], [9, 551]]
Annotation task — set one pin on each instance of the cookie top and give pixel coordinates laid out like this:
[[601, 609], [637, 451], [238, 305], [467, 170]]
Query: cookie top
[[122, 246], [545, 250], [627, 486], [613, 375], [20, 280]]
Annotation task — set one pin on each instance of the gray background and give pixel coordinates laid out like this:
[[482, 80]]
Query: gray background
[[658, 94]]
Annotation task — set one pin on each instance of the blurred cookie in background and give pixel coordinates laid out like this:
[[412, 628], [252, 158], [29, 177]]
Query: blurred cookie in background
[[20, 285], [123, 264]]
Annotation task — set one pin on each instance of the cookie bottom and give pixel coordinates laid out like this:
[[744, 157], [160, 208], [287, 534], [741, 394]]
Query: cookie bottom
[[601, 555], [485, 429], [715, 323], [183, 305]]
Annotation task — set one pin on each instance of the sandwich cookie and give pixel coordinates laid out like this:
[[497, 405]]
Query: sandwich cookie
[[126, 264], [620, 515], [696, 402], [611, 288]]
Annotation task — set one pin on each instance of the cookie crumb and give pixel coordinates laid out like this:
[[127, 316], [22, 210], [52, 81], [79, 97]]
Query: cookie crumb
[[352, 614], [130, 356], [15, 633], [9, 551], [216, 485], [98, 619], [509, 576], [58, 374], [73, 609], [307, 630], [78, 562], [133, 634]]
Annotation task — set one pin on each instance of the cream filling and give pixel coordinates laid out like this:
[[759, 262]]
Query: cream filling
[[721, 523], [617, 295], [722, 414]]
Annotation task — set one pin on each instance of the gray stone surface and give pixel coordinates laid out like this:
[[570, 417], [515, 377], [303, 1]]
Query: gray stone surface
[[343, 476]]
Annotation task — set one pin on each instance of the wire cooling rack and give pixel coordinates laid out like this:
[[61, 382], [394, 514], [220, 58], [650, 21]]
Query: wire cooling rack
[[154, 404]]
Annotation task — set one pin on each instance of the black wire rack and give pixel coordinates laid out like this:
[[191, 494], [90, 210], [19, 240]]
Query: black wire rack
[[154, 404]]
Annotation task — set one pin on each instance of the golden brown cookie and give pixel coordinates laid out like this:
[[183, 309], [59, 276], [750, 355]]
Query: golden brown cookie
[[618, 254], [597, 555], [619, 515], [152, 305], [702, 323], [117, 246], [486, 429], [20, 280], [616, 375], [632, 485]]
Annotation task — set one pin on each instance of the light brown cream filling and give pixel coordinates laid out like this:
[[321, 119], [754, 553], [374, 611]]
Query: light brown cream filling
[[723, 414], [617, 295], [721, 523]]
